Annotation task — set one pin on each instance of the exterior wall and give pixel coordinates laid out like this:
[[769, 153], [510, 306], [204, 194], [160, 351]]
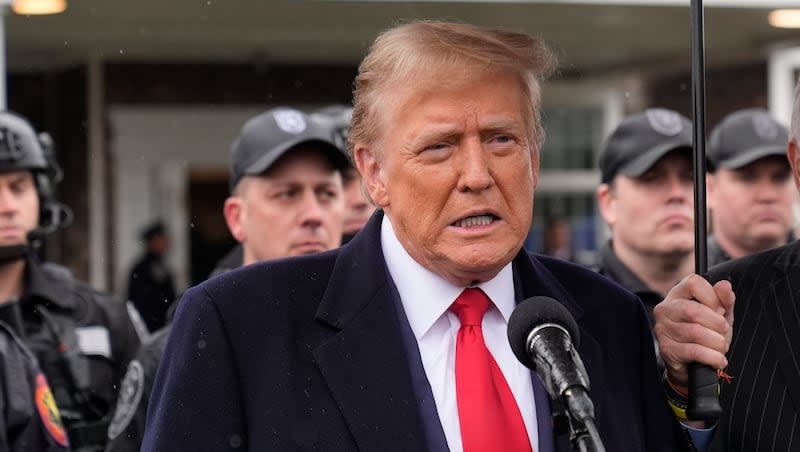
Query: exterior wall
[[727, 89]]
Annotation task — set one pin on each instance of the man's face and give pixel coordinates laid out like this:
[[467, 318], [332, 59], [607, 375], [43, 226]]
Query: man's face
[[652, 214], [19, 207], [357, 207], [751, 207], [295, 208], [455, 174]]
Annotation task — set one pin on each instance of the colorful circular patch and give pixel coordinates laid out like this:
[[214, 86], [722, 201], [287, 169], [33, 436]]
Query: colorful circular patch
[[48, 411]]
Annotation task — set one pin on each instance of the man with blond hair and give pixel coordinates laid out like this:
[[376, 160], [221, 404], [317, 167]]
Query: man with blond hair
[[398, 340]]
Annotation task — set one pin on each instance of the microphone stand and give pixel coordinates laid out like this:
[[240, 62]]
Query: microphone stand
[[582, 429]]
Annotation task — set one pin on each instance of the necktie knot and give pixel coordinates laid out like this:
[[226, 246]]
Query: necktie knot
[[470, 306]]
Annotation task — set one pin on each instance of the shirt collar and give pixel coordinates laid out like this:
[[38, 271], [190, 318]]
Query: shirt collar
[[425, 295]]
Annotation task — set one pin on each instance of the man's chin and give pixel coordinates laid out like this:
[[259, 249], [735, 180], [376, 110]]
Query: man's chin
[[466, 269], [302, 250], [12, 241]]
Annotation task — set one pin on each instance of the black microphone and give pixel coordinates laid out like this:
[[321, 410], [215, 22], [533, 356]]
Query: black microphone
[[544, 336]]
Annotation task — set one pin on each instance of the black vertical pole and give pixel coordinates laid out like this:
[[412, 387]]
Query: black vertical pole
[[703, 398]]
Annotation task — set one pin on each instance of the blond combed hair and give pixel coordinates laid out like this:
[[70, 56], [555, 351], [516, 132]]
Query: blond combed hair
[[426, 55]]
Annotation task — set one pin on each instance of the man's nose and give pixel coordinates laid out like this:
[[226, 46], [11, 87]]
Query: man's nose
[[8, 202], [311, 209], [474, 161], [768, 190]]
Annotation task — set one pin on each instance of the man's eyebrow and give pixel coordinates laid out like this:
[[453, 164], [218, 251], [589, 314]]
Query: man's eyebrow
[[19, 178], [436, 133]]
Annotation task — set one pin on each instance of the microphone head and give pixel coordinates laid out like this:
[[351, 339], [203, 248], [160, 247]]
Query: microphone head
[[531, 313]]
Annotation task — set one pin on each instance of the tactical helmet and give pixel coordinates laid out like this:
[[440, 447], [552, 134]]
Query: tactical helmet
[[22, 149]]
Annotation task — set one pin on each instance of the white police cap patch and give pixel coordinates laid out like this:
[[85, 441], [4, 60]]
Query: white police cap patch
[[130, 395], [665, 122], [765, 127], [290, 121]]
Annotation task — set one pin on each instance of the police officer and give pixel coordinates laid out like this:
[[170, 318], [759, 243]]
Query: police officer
[[646, 199], [750, 186], [151, 286], [286, 199], [81, 338], [358, 208], [29, 418]]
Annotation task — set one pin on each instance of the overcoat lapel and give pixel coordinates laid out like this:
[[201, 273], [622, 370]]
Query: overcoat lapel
[[365, 364], [780, 299], [536, 280]]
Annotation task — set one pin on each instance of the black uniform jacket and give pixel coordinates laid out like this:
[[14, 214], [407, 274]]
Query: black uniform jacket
[[82, 339], [29, 418], [306, 354]]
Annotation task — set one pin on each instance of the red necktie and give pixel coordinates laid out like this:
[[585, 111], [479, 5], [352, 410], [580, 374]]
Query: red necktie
[[488, 414]]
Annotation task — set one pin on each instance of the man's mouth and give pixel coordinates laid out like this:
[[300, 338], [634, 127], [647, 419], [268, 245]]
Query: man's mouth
[[476, 220]]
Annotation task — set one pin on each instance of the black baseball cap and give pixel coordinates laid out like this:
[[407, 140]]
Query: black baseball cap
[[643, 139], [745, 136], [269, 136]]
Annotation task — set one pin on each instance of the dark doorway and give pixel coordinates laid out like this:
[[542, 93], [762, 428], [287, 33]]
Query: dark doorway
[[209, 238]]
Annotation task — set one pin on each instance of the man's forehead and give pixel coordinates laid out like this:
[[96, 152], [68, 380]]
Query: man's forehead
[[764, 164], [15, 175], [679, 157], [311, 174]]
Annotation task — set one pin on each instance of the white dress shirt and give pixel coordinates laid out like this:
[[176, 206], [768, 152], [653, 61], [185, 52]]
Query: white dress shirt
[[426, 298]]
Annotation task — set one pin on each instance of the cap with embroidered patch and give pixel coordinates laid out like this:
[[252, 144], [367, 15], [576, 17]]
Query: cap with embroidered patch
[[643, 139], [269, 136], [745, 136]]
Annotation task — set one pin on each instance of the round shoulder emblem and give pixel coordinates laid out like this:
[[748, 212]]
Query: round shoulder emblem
[[130, 394], [664, 121], [48, 411]]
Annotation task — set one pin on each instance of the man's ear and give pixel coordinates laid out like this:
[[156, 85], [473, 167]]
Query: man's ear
[[607, 204], [234, 213], [369, 165], [793, 154]]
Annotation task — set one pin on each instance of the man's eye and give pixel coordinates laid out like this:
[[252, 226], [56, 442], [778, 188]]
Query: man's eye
[[19, 187], [436, 147], [285, 194], [328, 194]]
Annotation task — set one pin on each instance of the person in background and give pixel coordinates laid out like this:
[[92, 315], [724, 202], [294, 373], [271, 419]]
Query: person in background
[[646, 199], [557, 240], [358, 207], [151, 286], [750, 190], [286, 200], [81, 338]]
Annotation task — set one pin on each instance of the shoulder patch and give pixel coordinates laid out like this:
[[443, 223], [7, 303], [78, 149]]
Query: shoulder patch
[[48, 411], [130, 395]]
